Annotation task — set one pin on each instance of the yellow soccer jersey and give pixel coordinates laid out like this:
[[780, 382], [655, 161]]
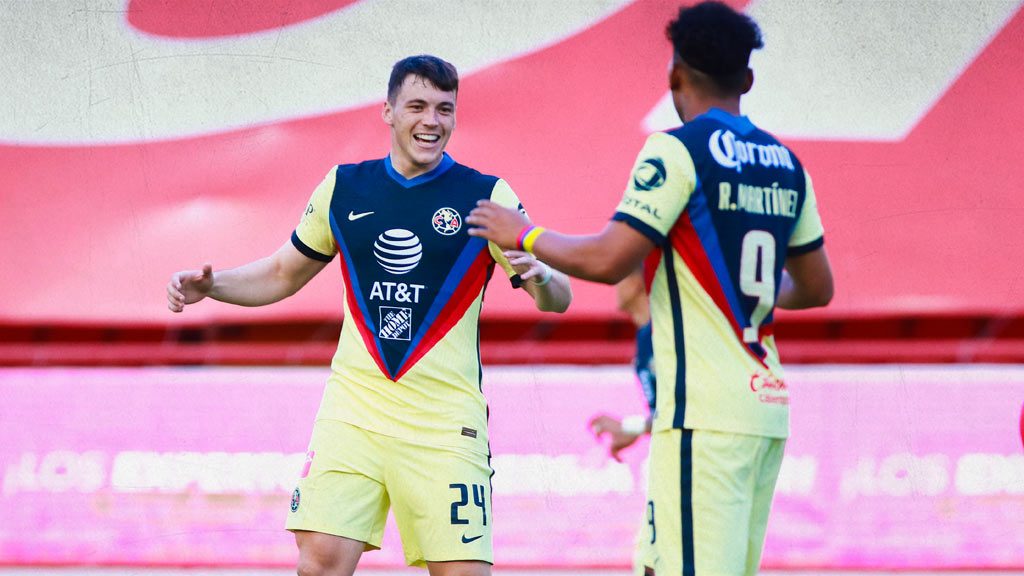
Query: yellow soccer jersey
[[725, 204], [408, 359]]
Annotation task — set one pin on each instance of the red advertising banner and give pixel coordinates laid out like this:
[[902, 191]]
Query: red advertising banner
[[890, 466]]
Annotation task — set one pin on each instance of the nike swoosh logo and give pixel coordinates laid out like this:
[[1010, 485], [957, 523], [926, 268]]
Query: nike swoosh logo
[[468, 540], [352, 216]]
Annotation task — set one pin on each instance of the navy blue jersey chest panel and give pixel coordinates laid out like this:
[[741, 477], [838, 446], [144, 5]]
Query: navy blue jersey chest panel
[[405, 248], [746, 181]]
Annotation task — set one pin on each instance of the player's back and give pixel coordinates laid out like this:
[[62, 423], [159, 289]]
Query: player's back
[[736, 199]]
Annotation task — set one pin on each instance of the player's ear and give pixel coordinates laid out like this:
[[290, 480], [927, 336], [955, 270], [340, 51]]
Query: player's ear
[[675, 78], [748, 82], [388, 113]]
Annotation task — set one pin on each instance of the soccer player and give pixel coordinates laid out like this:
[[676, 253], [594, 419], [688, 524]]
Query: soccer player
[[403, 420], [725, 220], [632, 299]]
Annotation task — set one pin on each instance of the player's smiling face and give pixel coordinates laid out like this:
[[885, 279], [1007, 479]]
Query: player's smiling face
[[422, 119]]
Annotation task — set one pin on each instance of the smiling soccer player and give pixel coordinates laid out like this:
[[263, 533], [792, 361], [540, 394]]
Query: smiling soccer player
[[403, 420]]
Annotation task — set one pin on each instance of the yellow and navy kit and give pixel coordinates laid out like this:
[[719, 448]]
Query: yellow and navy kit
[[724, 203], [408, 360]]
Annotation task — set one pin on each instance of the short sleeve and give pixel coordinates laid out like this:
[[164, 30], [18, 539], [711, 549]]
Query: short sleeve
[[808, 234], [659, 187], [503, 195], [313, 236]]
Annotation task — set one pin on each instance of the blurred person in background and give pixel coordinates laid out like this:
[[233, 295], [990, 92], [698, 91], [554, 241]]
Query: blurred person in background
[[724, 219], [623, 433], [403, 420]]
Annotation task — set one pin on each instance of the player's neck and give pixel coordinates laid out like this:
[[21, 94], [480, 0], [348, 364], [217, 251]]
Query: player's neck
[[701, 106], [410, 169]]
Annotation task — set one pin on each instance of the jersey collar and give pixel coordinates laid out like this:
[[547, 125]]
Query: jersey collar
[[740, 124], [444, 166]]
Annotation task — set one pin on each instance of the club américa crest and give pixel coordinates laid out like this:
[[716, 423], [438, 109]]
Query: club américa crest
[[447, 221], [296, 496]]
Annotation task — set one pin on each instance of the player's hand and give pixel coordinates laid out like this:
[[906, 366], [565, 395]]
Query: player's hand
[[496, 223], [604, 424], [527, 266], [189, 287]]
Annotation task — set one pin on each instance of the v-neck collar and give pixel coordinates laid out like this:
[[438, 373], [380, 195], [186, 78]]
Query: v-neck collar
[[437, 171]]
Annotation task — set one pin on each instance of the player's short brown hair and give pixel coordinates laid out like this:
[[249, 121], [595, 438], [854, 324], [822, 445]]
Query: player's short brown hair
[[438, 72]]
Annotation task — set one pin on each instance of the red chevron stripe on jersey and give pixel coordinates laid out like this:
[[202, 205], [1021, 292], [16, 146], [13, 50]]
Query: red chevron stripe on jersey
[[359, 318], [460, 301], [686, 243]]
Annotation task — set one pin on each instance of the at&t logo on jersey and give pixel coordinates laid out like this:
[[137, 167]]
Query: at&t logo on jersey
[[731, 152], [398, 251], [446, 221]]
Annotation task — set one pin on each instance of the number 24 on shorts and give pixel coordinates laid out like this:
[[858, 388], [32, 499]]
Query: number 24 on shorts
[[479, 499]]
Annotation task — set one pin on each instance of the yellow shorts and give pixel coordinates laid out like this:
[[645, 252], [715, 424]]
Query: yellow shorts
[[712, 492], [441, 495]]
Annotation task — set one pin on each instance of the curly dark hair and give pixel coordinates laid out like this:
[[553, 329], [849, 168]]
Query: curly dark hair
[[712, 38], [433, 69]]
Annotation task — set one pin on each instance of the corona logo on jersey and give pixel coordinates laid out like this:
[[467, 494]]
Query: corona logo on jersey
[[447, 221], [731, 152], [398, 251], [770, 388]]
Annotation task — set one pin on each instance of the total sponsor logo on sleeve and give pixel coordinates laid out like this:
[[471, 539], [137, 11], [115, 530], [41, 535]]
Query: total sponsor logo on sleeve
[[649, 174]]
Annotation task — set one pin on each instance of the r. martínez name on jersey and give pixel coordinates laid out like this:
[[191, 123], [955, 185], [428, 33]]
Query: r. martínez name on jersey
[[724, 204]]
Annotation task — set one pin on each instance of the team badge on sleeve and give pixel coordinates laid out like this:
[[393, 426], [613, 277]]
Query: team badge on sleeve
[[447, 221]]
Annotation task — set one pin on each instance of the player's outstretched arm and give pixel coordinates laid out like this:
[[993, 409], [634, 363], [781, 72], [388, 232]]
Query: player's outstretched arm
[[606, 257], [264, 281], [806, 281]]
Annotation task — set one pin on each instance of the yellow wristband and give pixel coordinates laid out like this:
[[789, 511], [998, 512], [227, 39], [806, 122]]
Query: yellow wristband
[[531, 237]]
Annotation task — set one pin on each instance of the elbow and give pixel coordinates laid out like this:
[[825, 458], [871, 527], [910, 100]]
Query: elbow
[[822, 296]]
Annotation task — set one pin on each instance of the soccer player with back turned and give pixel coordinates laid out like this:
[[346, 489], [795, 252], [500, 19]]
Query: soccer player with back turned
[[725, 221], [403, 420]]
